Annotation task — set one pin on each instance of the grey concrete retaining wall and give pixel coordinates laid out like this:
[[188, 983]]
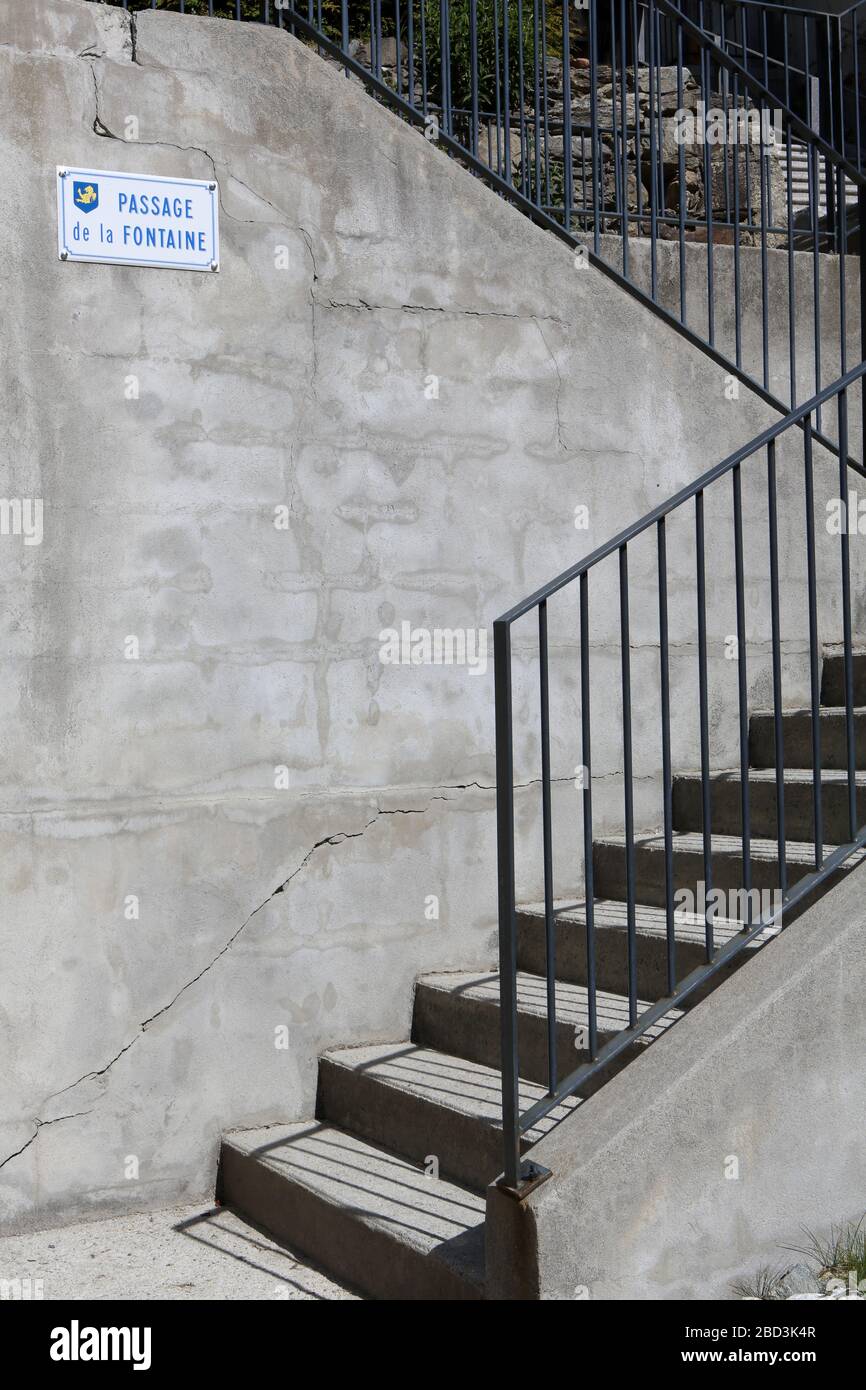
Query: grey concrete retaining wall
[[358, 264]]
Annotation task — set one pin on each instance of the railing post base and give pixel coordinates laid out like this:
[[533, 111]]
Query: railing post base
[[532, 1175]]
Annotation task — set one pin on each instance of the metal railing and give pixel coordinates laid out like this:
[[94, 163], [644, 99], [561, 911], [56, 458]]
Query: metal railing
[[595, 124], [642, 1019], [812, 61], [626, 130]]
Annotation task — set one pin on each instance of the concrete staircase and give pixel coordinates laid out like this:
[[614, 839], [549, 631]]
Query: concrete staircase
[[800, 182], [386, 1188]]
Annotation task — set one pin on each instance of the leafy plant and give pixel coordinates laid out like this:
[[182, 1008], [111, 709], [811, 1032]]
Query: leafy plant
[[529, 24]]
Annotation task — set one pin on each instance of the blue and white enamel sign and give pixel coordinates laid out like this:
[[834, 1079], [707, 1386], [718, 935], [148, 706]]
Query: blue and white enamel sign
[[135, 219]]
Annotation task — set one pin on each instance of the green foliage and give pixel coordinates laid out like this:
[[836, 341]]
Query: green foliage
[[527, 20], [490, 43]]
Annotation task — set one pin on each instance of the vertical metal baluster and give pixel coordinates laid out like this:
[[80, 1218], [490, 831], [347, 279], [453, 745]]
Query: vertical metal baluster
[[597, 161], [815, 199], [628, 786], [727, 98], [777, 666], [830, 134], [546, 109], [743, 691], [861, 220], [568, 172], [410, 46], [792, 299], [623, 42], [705, 719], [547, 832], [836, 50], [807, 65], [424, 88], [856, 45], [846, 616], [507, 931], [473, 76], [843, 287], [398, 45], [536, 102], [666, 758], [814, 659], [497, 87], [738, 315], [506, 88], [588, 865], [344, 28], [508, 934], [708, 185], [618, 186], [653, 134], [790, 203], [681, 172], [763, 193], [521, 114], [638, 150], [445, 64]]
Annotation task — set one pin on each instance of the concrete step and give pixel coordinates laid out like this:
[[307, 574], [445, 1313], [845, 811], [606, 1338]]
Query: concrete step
[[725, 814], [459, 1013], [371, 1218], [797, 738], [426, 1104], [833, 679], [611, 945], [609, 861]]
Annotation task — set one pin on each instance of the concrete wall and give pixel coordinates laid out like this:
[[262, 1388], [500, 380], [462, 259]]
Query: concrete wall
[[645, 1201], [790, 280], [357, 262]]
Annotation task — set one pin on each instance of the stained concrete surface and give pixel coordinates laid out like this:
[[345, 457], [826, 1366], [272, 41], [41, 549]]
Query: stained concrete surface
[[169, 913], [183, 1252]]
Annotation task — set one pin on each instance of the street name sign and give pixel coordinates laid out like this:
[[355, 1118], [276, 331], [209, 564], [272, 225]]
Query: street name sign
[[137, 219]]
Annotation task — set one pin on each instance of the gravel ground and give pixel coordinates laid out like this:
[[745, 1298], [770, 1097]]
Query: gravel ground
[[179, 1253]]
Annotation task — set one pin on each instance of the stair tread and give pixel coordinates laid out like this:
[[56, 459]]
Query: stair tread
[[796, 851], [381, 1188], [572, 1001], [649, 921], [798, 711], [449, 1082], [796, 776]]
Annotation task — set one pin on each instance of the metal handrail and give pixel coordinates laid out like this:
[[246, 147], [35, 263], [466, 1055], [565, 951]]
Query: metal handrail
[[592, 217], [796, 9], [517, 1176], [762, 93], [794, 417], [824, 40], [583, 191]]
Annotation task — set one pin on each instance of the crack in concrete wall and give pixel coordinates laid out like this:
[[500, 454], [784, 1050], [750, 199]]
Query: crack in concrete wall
[[303, 388]]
